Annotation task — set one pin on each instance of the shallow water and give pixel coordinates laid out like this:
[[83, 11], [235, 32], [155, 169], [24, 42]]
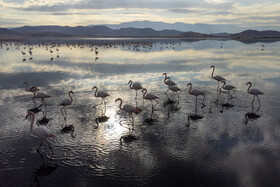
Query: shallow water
[[219, 149]]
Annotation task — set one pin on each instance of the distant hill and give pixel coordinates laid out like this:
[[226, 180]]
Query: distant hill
[[256, 34], [7, 31]]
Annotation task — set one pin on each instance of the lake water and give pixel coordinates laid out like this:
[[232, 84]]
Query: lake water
[[104, 148]]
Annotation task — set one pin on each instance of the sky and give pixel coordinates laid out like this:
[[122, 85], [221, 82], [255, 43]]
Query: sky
[[16, 13]]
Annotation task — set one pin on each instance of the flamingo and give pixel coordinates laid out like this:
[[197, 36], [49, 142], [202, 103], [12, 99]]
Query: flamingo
[[228, 88], [217, 77], [40, 132], [128, 108], [65, 102], [150, 97], [39, 95], [254, 91], [101, 94], [27, 88], [168, 82], [173, 88], [136, 86], [195, 93]]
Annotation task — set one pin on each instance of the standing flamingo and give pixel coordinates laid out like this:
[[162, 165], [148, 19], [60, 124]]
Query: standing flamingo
[[173, 88], [128, 108], [40, 132], [168, 82], [195, 93], [228, 88], [254, 91], [136, 86], [66, 102], [217, 78], [39, 95], [150, 97], [101, 94]]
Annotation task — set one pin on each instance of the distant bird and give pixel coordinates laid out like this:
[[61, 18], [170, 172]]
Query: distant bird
[[195, 93], [168, 82], [217, 78], [254, 92], [136, 86], [128, 108], [23, 53], [150, 97], [40, 132], [65, 102], [39, 95], [101, 94], [228, 88]]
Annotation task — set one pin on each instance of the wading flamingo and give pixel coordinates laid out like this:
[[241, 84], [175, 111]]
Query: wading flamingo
[[39, 95], [101, 94], [136, 86], [65, 102], [128, 108], [168, 82], [173, 88], [228, 88], [40, 132], [196, 93], [217, 78], [254, 91], [150, 97]]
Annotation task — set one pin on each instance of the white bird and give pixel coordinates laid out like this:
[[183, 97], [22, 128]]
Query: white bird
[[168, 82], [65, 102], [39, 95], [40, 132], [217, 77], [101, 94], [150, 97], [228, 88], [196, 93], [128, 108], [254, 91], [136, 86]]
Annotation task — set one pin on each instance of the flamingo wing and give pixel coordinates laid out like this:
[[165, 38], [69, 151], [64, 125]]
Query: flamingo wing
[[151, 97], [65, 102], [42, 132], [219, 78], [137, 86], [255, 91]]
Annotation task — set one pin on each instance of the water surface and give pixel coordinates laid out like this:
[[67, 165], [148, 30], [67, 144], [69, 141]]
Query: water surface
[[219, 149]]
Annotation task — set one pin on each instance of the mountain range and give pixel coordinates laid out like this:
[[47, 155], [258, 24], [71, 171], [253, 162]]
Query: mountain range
[[152, 29]]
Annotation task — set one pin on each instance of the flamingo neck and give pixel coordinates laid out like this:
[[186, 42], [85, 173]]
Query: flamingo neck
[[250, 84], [130, 84], [165, 76], [71, 99], [95, 94], [224, 83], [120, 104], [32, 122], [145, 93], [213, 72], [190, 89]]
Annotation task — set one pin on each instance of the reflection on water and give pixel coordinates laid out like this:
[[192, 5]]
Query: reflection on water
[[229, 141]]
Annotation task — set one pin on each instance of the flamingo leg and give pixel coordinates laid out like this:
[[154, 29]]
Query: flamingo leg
[[195, 104], [152, 104], [178, 95], [62, 111], [203, 105], [258, 100], [167, 90], [49, 146], [40, 145], [65, 113], [228, 96], [253, 100], [232, 93]]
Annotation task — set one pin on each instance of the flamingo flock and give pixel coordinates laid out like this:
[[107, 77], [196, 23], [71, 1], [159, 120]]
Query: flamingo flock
[[44, 133]]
